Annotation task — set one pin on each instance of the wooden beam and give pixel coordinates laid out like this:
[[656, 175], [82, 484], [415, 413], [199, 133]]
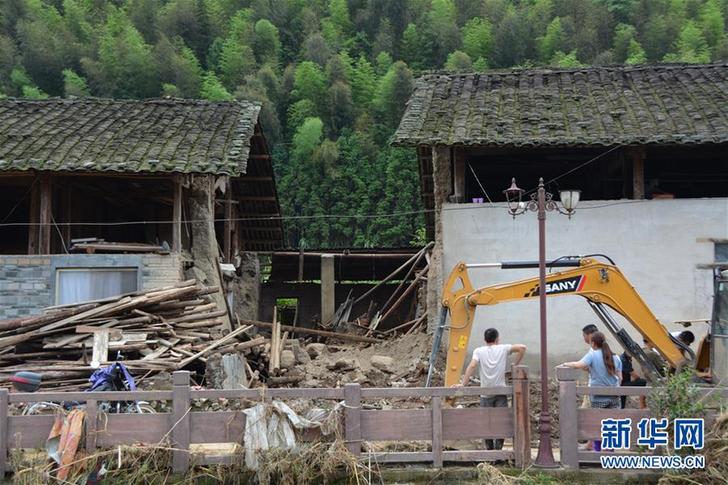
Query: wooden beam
[[227, 224], [637, 155], [33, 218], [66, 232], [311, 331], [177, 213], [258, 198], [458, 180], [46, 203], [254, 178]]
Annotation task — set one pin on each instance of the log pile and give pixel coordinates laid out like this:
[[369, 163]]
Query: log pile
[[163, 329]]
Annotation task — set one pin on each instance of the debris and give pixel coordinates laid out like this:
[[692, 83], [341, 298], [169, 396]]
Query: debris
[[288, 359], [382, 362], [315, 350], [311, 331]]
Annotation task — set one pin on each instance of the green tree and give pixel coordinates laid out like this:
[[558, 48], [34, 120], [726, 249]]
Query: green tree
[[624, 35], [552, 41], [213, 90], [126, 67], [178, 66], [316, 49], [459, 61], [33, 92], [510, 39], [477, 37], [411, 48], [691, 46], [310, 83], [561, 59], [712, 21], [237, 61], [635, 53], [363, 82], [74, 85], [341, 107], [393, 91], [267, 44], [339, 13]]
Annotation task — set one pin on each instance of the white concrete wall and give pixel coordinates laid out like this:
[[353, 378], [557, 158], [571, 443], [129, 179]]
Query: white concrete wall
[[656, 243]]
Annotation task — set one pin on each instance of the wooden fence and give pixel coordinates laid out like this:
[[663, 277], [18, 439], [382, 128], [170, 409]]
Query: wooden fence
[[183, 427], [577, 423]]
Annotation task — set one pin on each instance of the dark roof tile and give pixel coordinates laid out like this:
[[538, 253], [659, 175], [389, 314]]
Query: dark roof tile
[[104, 135], [665, 104]]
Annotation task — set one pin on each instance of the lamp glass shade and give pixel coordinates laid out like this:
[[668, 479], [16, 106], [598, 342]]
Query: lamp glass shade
[[513, 195], [570, 199]]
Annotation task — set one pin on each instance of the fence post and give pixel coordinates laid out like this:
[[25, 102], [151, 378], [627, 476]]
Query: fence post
[[181, 421], [352, 418], [437, 431], [522, 416], [568, 426], [91, 423], [3, 432]]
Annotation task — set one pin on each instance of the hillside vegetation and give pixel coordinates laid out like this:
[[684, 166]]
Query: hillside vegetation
[[333, 75]]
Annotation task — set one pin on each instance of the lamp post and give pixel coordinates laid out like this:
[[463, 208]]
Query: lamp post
[[541, 202]]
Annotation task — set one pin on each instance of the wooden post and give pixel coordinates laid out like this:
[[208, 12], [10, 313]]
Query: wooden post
[[66, 232], [637, 155], [568, 431], [46, 200], [228, 223], [3, 432], [177, 213], [33, 218], [521, 417], [181, 421], [328, 288], [300, 262], [91, 419], [437, 431], [352, 418], [458, 179]]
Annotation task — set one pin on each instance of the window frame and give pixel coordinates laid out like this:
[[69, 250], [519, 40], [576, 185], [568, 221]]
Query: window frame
[[91, 262]]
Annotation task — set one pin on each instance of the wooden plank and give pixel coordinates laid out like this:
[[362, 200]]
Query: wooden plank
[[388, 392], [311, 331], [638, 172], [101, 348], [399, 457], [293, 393], [477, 455], [477, 423], [213, 346], [589, 421], [28, 431], [27, 397], [129, 429], [46, 200], [275, 337], [177, 213], [3, 432], [612, 391], [353, 427], [458, 181], [181, 421], [217, 427], [437, 432], [398, 424]]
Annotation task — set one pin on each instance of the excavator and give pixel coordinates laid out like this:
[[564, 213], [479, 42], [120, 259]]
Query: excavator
[[597, 279]]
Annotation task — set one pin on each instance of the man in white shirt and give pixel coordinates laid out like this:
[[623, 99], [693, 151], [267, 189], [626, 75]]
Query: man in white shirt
[[491, 360]]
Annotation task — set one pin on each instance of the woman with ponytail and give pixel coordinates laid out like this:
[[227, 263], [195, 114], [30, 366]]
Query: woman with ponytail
[[605, 369]]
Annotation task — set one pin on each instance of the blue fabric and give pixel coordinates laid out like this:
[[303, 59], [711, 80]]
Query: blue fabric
[[598, 373], [105, 374]]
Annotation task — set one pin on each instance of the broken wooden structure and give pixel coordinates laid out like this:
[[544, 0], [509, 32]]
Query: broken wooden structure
[[183, 184]]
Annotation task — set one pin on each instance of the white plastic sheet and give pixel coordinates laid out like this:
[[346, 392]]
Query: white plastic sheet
[[272, 426]]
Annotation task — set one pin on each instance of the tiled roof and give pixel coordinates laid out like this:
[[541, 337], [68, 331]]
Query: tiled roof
[[103, 135], [656, 104]]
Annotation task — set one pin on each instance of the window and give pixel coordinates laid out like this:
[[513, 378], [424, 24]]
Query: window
[[721, 252], [75, 285]]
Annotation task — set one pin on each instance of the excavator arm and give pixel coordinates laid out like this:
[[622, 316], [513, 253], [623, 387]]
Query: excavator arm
[[601, 284]]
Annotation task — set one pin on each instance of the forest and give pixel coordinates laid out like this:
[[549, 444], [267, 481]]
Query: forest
[[333, 76]]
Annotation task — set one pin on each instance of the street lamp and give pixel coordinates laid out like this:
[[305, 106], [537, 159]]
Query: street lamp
[[541, 202]]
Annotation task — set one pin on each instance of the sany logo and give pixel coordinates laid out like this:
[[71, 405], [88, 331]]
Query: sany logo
[[566, 285]]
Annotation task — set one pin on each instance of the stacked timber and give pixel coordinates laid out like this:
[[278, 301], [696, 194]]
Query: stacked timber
[[163, 329]]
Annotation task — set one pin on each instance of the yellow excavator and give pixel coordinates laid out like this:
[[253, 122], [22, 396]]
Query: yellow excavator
[[603, 286]]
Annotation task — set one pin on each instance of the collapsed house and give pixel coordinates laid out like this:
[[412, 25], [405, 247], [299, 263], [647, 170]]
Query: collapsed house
[[104, 197], [644, 144]]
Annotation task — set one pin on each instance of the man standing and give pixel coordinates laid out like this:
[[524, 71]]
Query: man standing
[[491, 360]]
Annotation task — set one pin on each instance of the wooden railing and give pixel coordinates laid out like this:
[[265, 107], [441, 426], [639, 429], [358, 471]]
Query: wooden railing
[[577, 423], [183, 427]]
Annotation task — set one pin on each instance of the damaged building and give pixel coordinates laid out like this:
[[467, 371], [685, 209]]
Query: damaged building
[[645, 145], [104, 197]]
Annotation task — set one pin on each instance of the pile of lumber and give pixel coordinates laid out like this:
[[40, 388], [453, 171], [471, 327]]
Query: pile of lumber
[[163, 329]]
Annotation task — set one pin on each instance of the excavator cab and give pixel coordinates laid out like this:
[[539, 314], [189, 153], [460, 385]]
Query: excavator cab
[[716, 343]]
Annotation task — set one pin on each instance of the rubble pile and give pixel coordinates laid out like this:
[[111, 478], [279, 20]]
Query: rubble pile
[[163, 329]]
